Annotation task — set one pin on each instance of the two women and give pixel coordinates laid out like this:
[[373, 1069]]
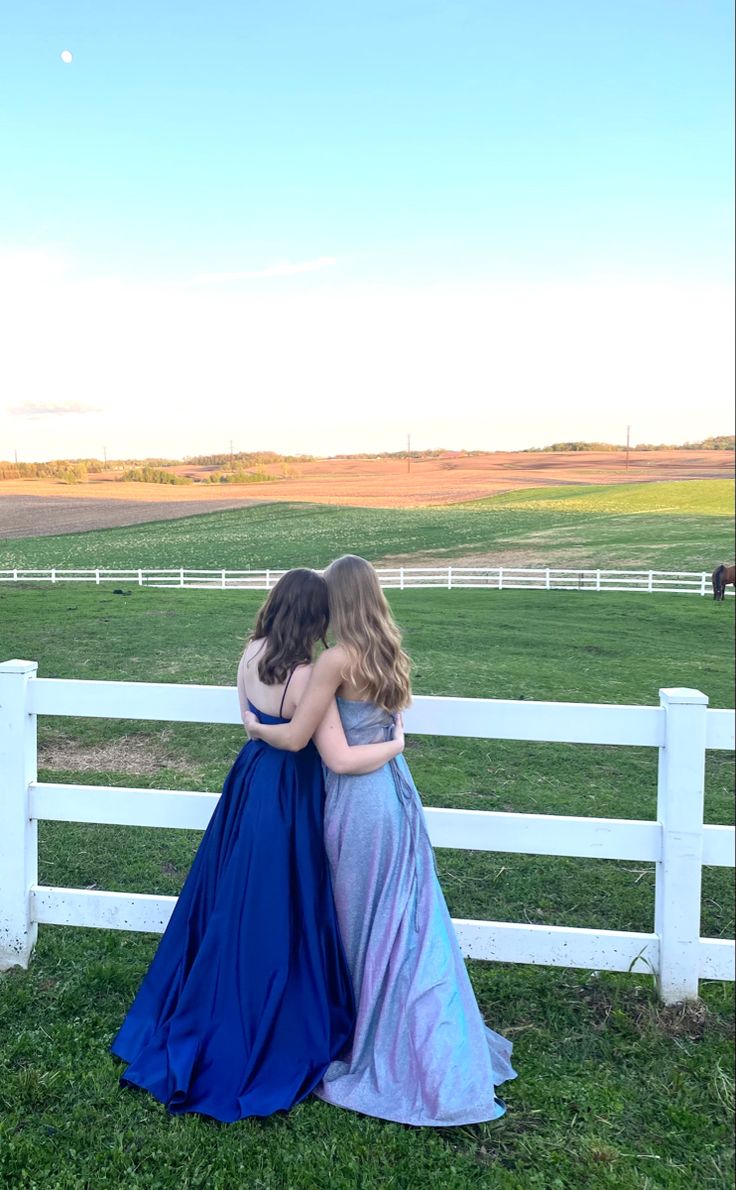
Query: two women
[[420, 1052], [248, 998]]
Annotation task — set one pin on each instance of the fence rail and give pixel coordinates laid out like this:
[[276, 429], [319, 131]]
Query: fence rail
[[677, 842], [500, 578]]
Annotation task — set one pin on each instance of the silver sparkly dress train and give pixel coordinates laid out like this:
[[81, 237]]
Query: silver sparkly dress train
[[421, 1053]]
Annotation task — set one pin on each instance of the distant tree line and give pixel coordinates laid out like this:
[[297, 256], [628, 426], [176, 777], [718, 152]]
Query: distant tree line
[[153, 475], [68, 470], [266, 465], [246, 459], [240, 476], [721, 442]]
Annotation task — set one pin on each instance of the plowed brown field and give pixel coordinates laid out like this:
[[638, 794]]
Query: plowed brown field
[[42, 507]]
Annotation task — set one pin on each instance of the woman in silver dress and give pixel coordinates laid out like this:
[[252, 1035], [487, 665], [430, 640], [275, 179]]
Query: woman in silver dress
[[421, 1052]]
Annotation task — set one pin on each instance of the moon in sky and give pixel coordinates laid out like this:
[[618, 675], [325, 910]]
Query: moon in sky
[[66, 56]]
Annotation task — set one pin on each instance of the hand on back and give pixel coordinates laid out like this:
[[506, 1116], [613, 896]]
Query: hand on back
[[251, 724]]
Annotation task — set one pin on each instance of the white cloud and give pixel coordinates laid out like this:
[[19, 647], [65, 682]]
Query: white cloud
[[182, 370], [25, 270], [283, 269], [34, 410]]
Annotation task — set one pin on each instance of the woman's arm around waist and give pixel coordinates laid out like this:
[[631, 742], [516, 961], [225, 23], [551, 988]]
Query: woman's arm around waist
[[317, 704]]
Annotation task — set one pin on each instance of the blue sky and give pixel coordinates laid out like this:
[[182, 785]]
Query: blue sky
[[289, 183]]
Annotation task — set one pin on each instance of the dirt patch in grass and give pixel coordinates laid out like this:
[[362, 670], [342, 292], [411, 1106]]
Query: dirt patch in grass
[[561, 554], [688, 1020], [490, 557], [48, 514], [139, 755]]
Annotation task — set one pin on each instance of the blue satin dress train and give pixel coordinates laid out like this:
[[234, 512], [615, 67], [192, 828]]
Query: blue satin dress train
[[248, 998]]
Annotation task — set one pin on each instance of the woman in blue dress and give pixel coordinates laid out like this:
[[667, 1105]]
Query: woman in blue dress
[[421, 1052], [248, 998]]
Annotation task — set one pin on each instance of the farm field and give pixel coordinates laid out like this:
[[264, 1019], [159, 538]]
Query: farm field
[[613, 1090], [663, 526], [47, 506]]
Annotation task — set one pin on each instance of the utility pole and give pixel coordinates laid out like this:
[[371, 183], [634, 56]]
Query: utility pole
[[408, 453], [628, 439]]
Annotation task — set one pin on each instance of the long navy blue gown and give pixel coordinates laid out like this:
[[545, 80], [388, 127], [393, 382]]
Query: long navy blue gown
[[248, 998]]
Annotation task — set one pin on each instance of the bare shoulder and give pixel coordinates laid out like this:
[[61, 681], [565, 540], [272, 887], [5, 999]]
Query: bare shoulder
[[332, 662], [300, 679], [251, 650]]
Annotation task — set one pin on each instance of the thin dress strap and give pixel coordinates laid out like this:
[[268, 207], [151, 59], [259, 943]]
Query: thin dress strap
[[283, 696]]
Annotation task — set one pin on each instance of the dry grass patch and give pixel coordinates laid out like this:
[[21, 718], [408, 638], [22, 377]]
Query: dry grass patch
[[136, 755], [688, 1020]]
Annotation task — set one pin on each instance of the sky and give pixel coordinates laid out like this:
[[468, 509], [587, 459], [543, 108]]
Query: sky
[[314, 226]]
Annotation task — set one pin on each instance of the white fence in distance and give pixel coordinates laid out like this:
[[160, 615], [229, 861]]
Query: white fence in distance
[[499, 578], [678, 843]]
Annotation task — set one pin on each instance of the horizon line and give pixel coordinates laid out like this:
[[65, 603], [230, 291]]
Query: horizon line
[[569, 447]]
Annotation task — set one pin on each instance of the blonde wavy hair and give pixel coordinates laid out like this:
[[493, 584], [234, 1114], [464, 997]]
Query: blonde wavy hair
[[361, 621]]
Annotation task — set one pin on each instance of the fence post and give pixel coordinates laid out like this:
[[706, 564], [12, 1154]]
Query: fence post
[[597, 580], [703, 578], [401, 578], [650, 582], [680, 789], [181, 577], [140, 578], [449, 578], [500, 578], [547, 583], [18, 832], [97, 577]]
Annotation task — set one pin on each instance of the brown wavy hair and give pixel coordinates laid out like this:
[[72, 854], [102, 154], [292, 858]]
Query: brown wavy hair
[[361, 621], [293, 618]]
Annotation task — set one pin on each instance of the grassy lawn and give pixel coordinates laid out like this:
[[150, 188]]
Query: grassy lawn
[[613, 1090], [701, 497], [662, 526]]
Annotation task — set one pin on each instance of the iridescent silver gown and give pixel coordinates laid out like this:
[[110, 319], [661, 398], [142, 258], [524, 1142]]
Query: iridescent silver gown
[[421, 1053]]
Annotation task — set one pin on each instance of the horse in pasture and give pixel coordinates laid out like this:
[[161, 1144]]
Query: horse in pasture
[[721, 577]]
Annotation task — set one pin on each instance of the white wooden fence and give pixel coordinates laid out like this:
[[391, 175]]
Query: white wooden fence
[[499, 578], [681, 727]]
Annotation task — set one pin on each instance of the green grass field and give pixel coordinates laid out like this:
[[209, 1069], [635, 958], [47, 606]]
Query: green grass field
[[613, 1090], [702, 498], [662, 526]]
